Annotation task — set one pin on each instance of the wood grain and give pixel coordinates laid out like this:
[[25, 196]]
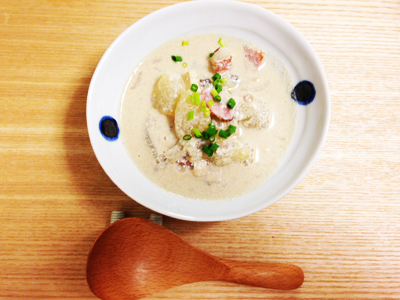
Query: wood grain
[[340, 225]]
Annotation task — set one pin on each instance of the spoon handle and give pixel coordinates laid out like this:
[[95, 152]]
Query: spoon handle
[[268, 275]]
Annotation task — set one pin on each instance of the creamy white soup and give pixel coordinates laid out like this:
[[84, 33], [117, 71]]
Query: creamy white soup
[[208, 116]]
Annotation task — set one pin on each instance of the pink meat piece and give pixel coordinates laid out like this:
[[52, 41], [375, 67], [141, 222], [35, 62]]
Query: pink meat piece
[[206, 95], [221, 60], [254, 55], [222, 64], [221, 111]]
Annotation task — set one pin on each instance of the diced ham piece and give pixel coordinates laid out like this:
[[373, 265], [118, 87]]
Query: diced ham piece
[[222, 112], [254, 55], [222, 59], [222, 65], [206, 95]]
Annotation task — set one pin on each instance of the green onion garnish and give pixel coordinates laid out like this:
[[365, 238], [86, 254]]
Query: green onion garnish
[[213, 147], [210, 103], [216, 76], [196, 98], [185, 43], [203, 105], [231, 103], [176, 58], [221, 42], [190, 115], [187, 137], [216, 82], [212, 131], [194, 87], [191, 98], [207, 113], [197, 132], [224, 134], [211, 54], [207, 151], [223, 80], [219, 88], [217, 98], [205, 135], [214, 93], [232, 129], [184, 65]]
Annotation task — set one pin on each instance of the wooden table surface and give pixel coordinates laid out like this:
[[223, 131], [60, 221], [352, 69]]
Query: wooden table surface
[[341, 224]]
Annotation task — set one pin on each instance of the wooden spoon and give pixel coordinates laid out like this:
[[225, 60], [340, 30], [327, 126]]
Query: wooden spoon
[[134, 258]]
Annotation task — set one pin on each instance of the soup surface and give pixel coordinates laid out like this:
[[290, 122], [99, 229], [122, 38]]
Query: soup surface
[[244, 116]]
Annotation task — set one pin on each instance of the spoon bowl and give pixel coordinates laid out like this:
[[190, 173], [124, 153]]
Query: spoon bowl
[[134, 258]]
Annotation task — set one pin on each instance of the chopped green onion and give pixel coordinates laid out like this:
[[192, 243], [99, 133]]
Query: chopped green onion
[[207, 113], [176, 58], [212, 138], [184, 65], [203, 105], [214, 93], [187, 137], [190, 115], [207, 151], [231, 103], [216, 82], [194, 87], [205, 135], [196, 98], [210, 125], [211, 54], [224, 134], [191, 98], [213, 147], [197, 132], [216, 76], [217, 98], [212, 131], [185, 43], [210, 103], [221, 42], [232, 129], [219, 88], [223, 80]]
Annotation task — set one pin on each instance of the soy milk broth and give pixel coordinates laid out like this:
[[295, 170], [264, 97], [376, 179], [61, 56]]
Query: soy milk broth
[[269, 83]]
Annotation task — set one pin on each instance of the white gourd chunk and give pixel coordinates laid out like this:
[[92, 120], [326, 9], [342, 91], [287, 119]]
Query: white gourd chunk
[[166, 93]]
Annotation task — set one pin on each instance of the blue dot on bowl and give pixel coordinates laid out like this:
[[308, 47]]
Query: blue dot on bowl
[[303, 92], [109, 128]]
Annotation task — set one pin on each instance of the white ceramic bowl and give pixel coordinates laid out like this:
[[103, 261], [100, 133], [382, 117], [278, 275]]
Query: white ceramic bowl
[[246, 21]]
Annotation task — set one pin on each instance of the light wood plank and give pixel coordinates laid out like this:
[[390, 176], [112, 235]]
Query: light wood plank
[[341, 224]]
